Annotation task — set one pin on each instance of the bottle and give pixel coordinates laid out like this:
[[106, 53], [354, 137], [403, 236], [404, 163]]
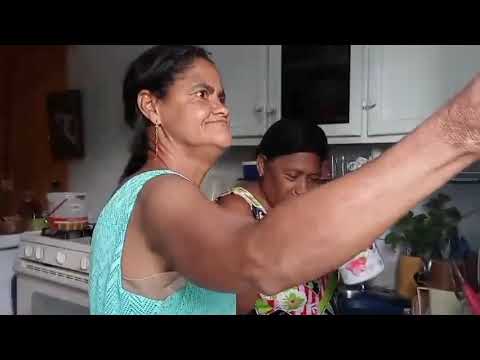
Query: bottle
[[29, 210]]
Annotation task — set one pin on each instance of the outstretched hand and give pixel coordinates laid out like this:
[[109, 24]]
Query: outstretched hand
[[460, 119]]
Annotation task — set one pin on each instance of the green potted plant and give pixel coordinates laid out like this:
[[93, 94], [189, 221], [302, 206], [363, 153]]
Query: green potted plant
[[427, 234], [422, 237]]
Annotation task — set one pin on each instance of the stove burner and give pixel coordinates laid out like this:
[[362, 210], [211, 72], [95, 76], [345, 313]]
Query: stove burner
[[67, 235]]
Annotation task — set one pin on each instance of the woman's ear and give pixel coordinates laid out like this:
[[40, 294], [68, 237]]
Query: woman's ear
[[148, 105], [261, 160]]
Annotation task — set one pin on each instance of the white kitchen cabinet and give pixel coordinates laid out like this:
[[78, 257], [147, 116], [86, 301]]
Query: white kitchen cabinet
[[252, 76], [244, 72], [393, 88], [407, 83], [357, 93], [274, 85], [314, 66]]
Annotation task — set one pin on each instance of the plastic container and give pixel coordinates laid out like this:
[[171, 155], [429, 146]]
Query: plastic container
[[364, 267], [250, 171]]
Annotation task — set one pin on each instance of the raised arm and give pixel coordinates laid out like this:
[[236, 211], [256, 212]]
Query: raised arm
[[307, 237]]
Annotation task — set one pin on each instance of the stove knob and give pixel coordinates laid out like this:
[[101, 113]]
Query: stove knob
[[84, 264], [28, 251], [38, 253], [61, 257]]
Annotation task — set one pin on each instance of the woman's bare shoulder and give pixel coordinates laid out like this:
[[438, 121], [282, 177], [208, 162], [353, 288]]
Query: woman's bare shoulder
[[234, 203]]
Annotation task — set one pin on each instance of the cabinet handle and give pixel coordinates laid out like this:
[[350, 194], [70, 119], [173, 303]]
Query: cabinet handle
[[259, 109], [368, 107], [271, 111]]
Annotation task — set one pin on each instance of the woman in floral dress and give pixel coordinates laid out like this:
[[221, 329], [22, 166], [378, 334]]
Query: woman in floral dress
[[291, 160]]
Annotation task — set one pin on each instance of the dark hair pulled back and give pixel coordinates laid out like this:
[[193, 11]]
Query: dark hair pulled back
[[155, 70]]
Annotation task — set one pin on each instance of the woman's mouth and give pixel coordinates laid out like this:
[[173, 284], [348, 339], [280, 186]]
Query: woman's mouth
[[221, 122]]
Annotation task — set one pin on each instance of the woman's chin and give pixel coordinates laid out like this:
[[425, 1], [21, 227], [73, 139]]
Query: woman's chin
[[224, 140], [225, 143]]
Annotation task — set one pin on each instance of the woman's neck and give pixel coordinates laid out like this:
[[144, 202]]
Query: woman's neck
[[193, 169], [256, 189]]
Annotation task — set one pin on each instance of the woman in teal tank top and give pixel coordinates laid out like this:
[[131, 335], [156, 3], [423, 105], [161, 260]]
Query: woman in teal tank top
[[109, 293], [161, 247], [106, 289]]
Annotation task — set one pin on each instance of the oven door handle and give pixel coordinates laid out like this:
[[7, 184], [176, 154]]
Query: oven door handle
[[59, 276]]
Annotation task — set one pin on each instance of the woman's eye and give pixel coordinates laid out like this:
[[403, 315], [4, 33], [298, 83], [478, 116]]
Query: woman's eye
[[223, 99], [319, 181], [202, 94], [291, 177]]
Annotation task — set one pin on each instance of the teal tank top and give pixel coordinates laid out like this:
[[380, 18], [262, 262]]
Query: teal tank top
[[107, 295]]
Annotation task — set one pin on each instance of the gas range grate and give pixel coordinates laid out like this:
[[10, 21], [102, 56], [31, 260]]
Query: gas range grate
[[67, 235]]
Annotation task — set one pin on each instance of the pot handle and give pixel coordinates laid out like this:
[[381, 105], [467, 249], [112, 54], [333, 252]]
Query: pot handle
[[56, 208]]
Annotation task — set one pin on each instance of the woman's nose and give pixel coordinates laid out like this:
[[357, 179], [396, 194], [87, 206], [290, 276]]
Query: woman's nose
[[300, 188], [220, 108]]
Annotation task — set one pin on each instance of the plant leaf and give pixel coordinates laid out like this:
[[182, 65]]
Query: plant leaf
[[437, 202], [393, 239], [453, 214], [427, 234], [404, 223]]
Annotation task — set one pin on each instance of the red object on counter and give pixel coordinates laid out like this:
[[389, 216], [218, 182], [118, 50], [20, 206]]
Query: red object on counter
[[472, 297]]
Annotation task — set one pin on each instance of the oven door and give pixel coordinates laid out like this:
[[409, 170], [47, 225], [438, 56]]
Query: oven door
[[43, 290]]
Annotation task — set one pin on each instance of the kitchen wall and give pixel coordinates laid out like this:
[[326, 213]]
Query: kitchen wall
[[463, 197], [227, 171], [98, 71]]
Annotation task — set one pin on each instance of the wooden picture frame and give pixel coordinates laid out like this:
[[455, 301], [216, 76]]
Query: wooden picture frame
[[66, 124]]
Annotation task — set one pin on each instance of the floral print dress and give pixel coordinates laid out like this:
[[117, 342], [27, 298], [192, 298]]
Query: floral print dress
[[312, 298]]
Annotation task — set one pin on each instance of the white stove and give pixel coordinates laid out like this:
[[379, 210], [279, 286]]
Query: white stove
[[73, 254], [52, 274]]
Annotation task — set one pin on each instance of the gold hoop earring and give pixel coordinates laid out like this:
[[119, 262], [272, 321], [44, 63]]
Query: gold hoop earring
[[157, 128]]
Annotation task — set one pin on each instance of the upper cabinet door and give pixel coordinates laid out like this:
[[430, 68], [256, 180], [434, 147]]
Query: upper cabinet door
[[323, 84], [409, 82], [274, 84], [244, 73]]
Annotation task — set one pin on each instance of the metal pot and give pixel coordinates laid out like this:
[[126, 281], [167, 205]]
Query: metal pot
[[67, 210]]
